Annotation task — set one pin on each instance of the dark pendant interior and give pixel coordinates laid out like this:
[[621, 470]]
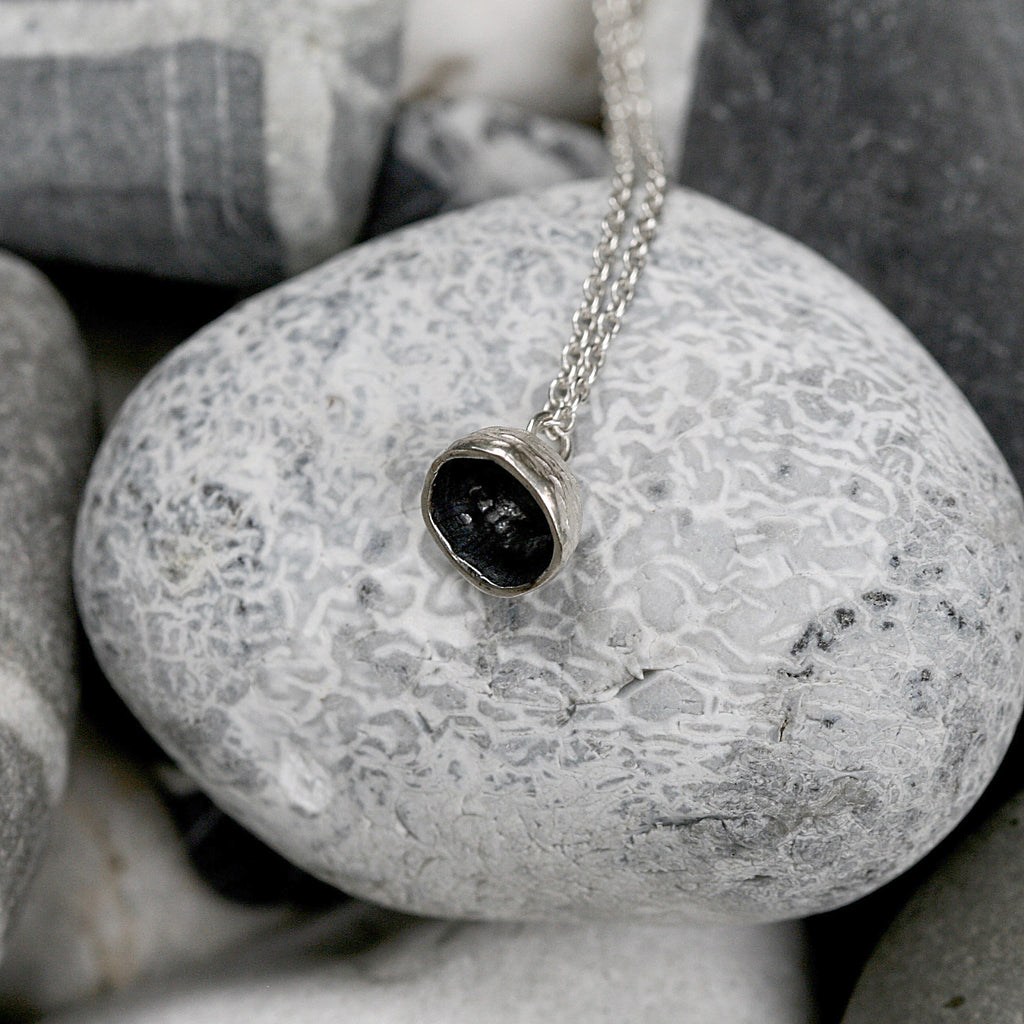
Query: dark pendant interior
[[491, 521]]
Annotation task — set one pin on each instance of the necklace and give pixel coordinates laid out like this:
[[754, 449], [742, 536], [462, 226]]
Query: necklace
[[502, 503]]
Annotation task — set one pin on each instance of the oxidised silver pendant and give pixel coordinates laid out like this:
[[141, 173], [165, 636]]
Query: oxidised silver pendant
[[504, 508]]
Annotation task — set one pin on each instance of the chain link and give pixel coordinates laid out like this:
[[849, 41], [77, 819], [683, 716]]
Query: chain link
[[631, 141]]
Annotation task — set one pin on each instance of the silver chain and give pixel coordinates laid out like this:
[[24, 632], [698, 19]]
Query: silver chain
[[631, 141]]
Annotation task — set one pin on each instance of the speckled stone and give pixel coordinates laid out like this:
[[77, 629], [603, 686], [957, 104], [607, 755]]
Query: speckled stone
[[116, 899], [783, 662], [888, 137], [45, 441], [603, 973], [446, 154], [226, 142], [954, 952]]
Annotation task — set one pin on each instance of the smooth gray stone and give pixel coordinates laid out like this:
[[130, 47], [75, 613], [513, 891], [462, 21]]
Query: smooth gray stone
[[434, 973], [954, 952], [887, 136], [233, 143], [784, 661], [45, 441], [116, 899], [446, 154]]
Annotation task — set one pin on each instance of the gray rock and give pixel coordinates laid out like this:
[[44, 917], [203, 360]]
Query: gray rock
[[446, 154], [229, 143], [784, 661], [954, 951], [45, 442], [600, 973], [888, 137], [116, 899]]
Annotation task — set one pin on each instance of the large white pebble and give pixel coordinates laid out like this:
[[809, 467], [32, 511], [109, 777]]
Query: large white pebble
[[783, 663], [600, 973]]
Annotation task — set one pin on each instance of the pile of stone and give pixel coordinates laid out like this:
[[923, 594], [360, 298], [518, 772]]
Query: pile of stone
[[291, 768]]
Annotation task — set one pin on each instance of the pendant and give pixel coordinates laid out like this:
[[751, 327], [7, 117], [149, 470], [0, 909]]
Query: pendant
[[504, 508]]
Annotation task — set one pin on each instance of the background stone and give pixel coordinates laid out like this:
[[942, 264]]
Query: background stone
[[786, 658], [116, 899], [888, 137], [232, 143], [446, 154], [45, 442], [954, 951], [602, 973], [673, 38], [540, 55]]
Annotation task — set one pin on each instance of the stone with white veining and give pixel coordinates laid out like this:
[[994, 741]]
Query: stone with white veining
[[598, 973], [45, 442], [116, 899], [782, 664], [225, 142]]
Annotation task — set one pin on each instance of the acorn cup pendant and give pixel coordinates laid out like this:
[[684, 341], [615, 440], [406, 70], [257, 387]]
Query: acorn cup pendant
[[502, 503], [504, 508]]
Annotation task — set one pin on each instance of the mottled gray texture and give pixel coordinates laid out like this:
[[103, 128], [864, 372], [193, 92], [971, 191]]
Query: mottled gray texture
[[446, 154], [954, 952], [783, 662], [115, 898], [45, 435], [230, 142], [434, 973], [889, 136]]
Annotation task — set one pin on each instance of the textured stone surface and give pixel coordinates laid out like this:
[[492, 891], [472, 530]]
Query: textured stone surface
[[221, 142], [889, 137], [783, 662], [954, 953], [446, 154], [509, 974], [45, 440], [116, 898]]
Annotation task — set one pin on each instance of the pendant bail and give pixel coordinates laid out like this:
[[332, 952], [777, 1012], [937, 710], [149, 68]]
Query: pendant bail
[[546, 426]]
